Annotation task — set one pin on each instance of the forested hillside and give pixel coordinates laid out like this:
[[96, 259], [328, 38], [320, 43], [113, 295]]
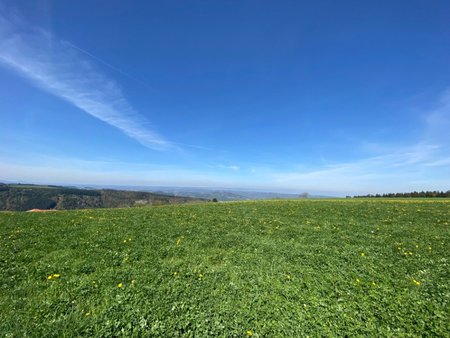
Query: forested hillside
[[25, 197]]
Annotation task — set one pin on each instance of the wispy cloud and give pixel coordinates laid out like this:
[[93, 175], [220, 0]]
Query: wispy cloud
[[58, 68], [412, 169], [228, 167], [438, 121], [423, 165], [400, 169]]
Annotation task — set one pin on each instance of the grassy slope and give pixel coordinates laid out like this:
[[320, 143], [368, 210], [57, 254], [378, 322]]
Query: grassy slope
[[277, 268]]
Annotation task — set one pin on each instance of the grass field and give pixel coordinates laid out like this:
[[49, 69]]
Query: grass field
[[261, 269]]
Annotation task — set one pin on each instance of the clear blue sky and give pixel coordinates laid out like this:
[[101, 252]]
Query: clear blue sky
[[337, 97]]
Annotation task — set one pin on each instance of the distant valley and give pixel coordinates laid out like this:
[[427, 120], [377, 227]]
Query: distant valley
[[221, 194], [20, 197], [232, 194]]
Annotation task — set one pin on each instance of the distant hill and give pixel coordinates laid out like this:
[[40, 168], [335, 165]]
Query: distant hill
[[221, 194], [229, 194], [21, 197]]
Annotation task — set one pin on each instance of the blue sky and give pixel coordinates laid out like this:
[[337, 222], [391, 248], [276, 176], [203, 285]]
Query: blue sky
[[330, 97]]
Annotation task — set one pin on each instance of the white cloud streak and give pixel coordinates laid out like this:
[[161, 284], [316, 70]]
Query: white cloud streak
[[56, 67], [424, 165], [228, 167], [438, 121], [400, 169]]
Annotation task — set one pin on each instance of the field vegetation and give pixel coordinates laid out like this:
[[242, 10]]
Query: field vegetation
[[352, 267]]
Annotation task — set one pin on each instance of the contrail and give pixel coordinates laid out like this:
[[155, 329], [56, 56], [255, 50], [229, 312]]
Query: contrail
[[107, 64], [53, 66]]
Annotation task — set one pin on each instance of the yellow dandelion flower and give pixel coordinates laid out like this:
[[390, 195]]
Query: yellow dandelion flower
[[175, 274], [49, 277], [362, 254], [357, 280], [416, 282], [249, 333], [56, 275], [120, 285]]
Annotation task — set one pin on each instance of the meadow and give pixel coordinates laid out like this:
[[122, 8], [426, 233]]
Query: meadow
[[262, 269]]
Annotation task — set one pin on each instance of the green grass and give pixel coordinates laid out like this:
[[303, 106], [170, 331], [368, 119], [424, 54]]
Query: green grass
[[267, 269]]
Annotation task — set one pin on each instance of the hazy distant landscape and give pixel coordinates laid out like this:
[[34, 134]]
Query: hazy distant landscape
[[221, 194], [22, 197]]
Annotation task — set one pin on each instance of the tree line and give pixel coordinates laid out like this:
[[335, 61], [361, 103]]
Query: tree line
[[414, 194]]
